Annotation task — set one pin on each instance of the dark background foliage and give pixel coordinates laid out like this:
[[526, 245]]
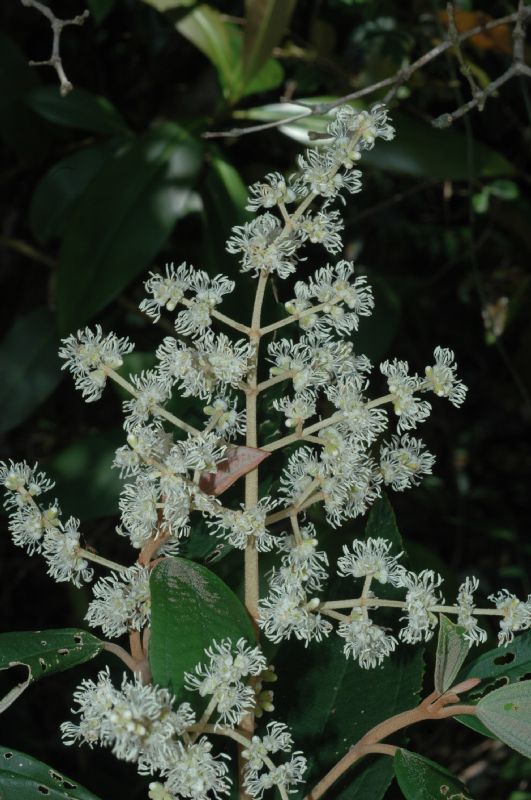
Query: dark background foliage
[[101, 186]]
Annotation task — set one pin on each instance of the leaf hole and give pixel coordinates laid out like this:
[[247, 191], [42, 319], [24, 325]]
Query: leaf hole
[[78, 639], [64, 651], [43, 789], [44, 665], [68, 785], [485, 688], [56, 776], [525, 677], [505, 659], [8, 755]]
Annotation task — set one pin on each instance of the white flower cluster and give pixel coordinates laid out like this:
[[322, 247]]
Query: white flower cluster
[[122, 602], [222, 677], [286, 610], [142, 724], [89, 355], [41, 530]]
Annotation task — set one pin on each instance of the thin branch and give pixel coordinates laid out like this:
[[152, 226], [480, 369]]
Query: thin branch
[[393, 81], [57, 26]]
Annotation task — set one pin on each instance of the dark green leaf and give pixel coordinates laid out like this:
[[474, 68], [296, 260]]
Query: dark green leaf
[[381, 523], [29, 366], [100, 8], [86, 485], [422, 779], [43, 653], [169, 5], [331, 703], [60, 186], [269, 76], [190, 607], [266, 21], [20, 128], [79, 109], [206, 28], [452, 649], [24, 778], [507, 713], [123, 219]]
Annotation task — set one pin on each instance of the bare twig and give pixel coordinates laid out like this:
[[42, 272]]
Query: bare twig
[[57, 26], [394, 82]]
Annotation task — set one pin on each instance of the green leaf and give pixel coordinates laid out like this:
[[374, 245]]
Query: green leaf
[[415, 151], [29, 366], [24, 778], [452, 649], [169, 5], [79, 109], [100, 8], [266, 21], [507, 713], [480, 201], [330, 702], [501, 664], [206, 28], [505, 190], [381, 523], [85, 483], [268, 77], [190, 607], [422, 779], [20, 128], [123, 219], [60, 186], [44, 653]]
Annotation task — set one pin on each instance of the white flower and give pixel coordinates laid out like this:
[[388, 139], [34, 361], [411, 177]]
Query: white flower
[[136, 721], [465, 601], [516, 615], [61, 552], [147, 442], [195, 773], [421, 596], [353, 129], [89, 355], [138, 504], [302, 560], [284, 776], [273, 191], [237, 527], [441, 378], [402, 386], [403, 462], [122, 602], [296, 409], [323, 227], [284, 613], [319, 174], [367, 643], [229, 361], [29, 525], [151, 392], [167, 290], [221, 678], [277, 738], [357, 417], [195, 318], [22, 483], [370, 557], [264, 246], [228, 421]]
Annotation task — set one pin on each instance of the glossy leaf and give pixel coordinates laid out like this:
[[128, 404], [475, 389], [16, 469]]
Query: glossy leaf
[[507, 713], [123, 219], [266, 21], [24, 778], [44, 653], [190, 607], [29, 366], [452, 649], [206, 28], [78, 109], [415, 151], [239, 461], [59, 187], [85, 482], [422, 779]]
